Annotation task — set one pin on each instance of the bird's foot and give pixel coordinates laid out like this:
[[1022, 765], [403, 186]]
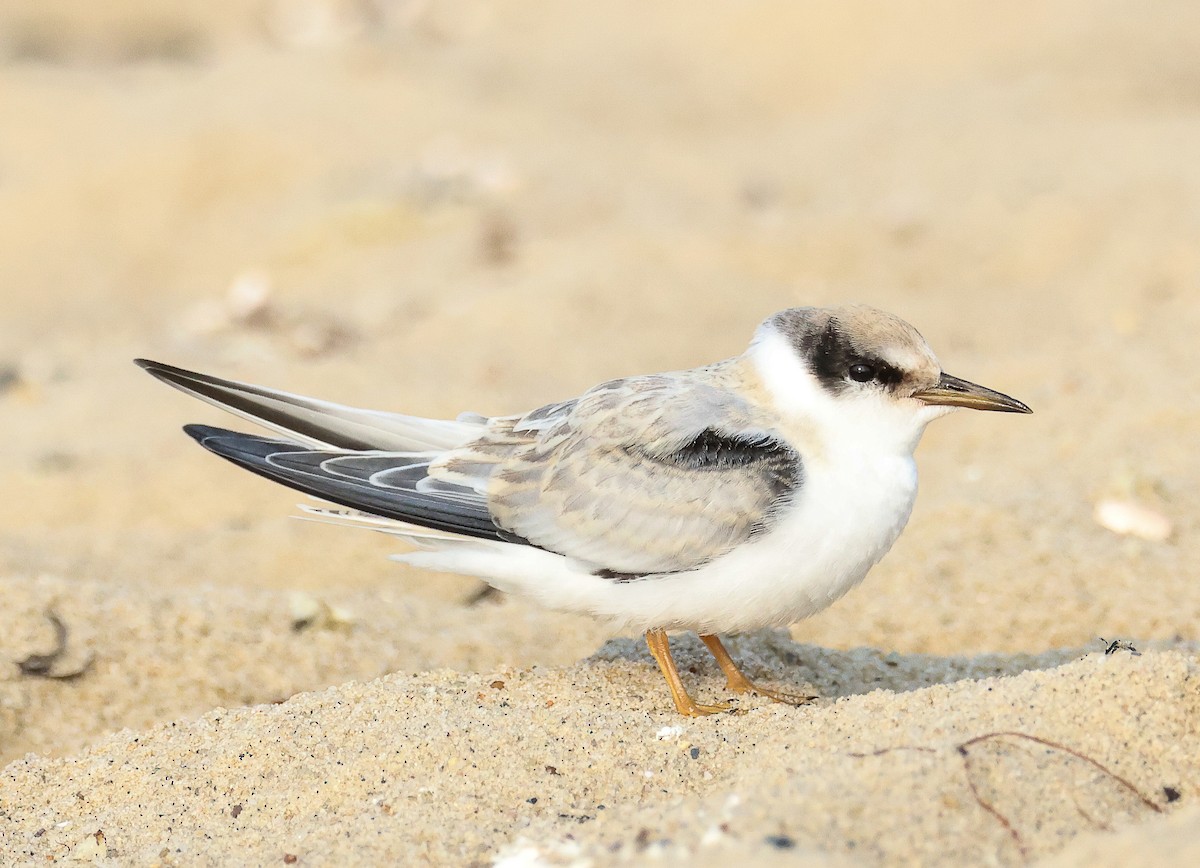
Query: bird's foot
[[737, 681], [690, 708], [748, 686]]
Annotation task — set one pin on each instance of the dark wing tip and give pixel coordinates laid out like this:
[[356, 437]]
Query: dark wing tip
[[164, 372], [237, 446], [155, 368], [200, 433]]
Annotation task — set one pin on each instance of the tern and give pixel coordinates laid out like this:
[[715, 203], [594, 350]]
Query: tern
[[748, 493]]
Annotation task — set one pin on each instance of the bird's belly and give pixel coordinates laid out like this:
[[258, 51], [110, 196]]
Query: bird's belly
[[823, 545]]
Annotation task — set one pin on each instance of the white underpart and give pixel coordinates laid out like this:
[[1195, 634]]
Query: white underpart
[[860, 481]]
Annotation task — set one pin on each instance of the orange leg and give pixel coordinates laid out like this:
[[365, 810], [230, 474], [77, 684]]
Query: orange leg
[[737, 680], [660, 649]]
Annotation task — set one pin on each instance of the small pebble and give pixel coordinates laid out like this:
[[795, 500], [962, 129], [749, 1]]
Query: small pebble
[[1130, 518]]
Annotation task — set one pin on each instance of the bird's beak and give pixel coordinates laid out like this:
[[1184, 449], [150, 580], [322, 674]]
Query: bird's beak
[[953, 392]]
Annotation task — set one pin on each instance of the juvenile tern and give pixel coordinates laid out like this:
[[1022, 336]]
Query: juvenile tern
[[748, 493]]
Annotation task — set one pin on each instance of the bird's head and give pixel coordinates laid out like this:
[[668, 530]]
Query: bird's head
[[862, 373]]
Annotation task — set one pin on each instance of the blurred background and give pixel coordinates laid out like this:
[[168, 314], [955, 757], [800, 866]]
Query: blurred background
[[436, 206]]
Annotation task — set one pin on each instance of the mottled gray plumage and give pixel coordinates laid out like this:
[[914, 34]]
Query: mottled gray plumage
[[609, 479]]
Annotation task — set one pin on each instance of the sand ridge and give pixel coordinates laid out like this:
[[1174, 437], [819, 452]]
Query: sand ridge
[[586, 763]]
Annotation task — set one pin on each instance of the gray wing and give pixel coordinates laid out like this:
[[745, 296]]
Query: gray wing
[[638, 476]]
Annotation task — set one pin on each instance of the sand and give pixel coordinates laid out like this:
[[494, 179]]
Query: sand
[[434, 207]]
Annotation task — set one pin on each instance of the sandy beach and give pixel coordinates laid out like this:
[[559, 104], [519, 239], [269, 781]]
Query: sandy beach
[[436, 207]]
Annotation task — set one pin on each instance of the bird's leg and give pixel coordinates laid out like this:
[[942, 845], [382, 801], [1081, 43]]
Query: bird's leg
[[737, 680], [660, 649]]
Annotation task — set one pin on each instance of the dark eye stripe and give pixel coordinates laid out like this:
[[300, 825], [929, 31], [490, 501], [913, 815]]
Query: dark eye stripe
[[830, 356], [887, 374]]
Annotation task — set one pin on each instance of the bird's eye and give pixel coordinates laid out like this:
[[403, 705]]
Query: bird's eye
[[861, 373]]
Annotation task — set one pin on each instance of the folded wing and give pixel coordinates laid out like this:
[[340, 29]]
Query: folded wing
[[639, 476]]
